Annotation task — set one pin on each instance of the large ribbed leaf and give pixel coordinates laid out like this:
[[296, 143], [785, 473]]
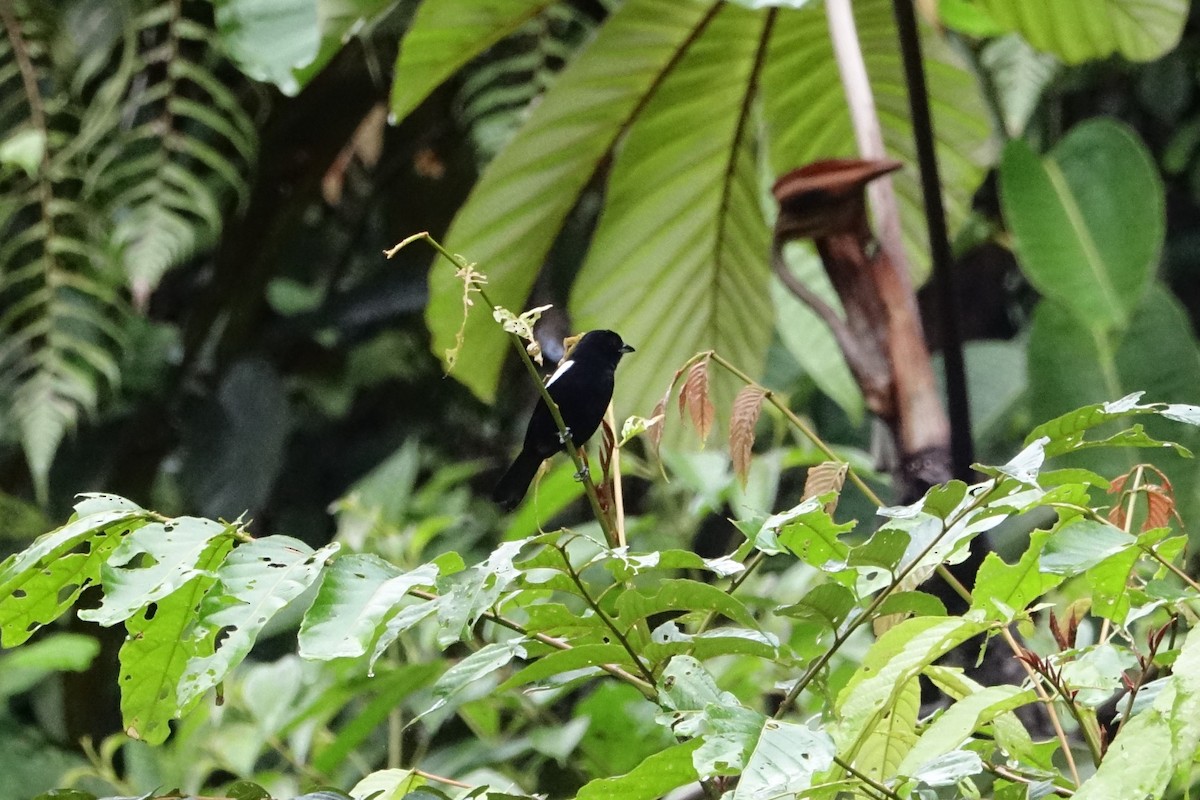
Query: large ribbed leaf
[[1088, 222], [808, 120], [679, 261], [444, 36], [1083, 30], [515, 211]]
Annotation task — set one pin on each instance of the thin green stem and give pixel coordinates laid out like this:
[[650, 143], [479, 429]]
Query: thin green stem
[[645, 687], [612, 626], [799, 424], [868, 780]]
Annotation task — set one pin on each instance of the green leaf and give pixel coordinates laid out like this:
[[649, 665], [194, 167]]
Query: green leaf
[[1081, 544], [958, 722], [40, 583], [807, 117], [828, 603], [60, 652], [730, 735], [1071, 366], [444, 36], [515, 210], [784, 761], [677, 261], [653, 778], [358, 592], [890, 740], [162, 638], [387, 784], [1002, 591], [560, 661], [255, 582], [151, 563], [667, 640], [1087, 222], [485, 661], [267, 39], [1139, 30], [1158, 744], [897, 657], [475, 591], [681, 595], [1019, 74]]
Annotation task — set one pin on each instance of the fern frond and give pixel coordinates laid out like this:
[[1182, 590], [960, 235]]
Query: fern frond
[[181, 156], [60, 324], [499, 87]]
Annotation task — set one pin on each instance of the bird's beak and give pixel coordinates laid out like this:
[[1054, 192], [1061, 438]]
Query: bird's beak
[[626, 349]]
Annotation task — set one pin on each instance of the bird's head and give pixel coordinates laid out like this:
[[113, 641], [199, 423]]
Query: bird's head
[[600, 345]]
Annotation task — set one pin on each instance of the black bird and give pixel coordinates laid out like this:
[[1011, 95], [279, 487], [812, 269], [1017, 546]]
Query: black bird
[[582, 388]]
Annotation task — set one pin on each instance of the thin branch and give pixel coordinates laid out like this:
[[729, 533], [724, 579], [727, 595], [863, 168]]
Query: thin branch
[[646, 688], [587, 597]]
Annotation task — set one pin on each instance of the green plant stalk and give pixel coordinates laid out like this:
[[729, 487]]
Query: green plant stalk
[[646, 673], [647, 688], [867, 779], [581, 466]]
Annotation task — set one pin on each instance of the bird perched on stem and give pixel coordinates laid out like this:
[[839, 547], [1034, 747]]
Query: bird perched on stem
[[582, 388]]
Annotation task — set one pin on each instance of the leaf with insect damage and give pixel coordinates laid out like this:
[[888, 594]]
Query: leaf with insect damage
[[694, 398], [746, 408]]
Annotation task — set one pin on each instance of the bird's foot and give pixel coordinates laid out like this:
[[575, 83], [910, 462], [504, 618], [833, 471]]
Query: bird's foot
[[583, 475], [564, 436]]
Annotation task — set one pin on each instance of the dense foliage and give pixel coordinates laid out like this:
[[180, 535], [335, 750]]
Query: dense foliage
[[196, 318]]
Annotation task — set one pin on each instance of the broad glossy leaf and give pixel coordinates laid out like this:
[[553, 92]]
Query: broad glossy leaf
[[678, 263], [1084, 30], [162, 639], [1071, 367], [358, 592], [1004, 590], [897, 657], [1087, 221], [1157, 744], [59, 652], [653, 778], [445, 35], [256, 581], [515, 211], [807, 117], [681, 595]]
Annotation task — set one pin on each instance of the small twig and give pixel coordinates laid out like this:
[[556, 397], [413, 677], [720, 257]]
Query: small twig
[[612, 626], [874, 784], [1010, 775], [429, 776], [645, 687]]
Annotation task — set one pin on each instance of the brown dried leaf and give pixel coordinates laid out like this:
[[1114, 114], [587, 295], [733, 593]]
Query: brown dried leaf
[[828, 476], [694, 397], [1160, 506], [746, 408]]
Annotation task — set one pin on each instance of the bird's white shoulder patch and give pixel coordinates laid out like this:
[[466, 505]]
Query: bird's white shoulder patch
[[558, 373]]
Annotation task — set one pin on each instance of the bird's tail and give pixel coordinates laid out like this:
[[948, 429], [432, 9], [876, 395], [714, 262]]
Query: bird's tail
[[515, 483]]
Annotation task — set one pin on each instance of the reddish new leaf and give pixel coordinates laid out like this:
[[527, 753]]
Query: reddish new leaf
[[746, 408]]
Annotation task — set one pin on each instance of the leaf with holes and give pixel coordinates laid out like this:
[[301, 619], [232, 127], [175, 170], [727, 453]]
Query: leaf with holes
[[359, 592], [163, 638], [40, 583], [255, 582], [151, 563]]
